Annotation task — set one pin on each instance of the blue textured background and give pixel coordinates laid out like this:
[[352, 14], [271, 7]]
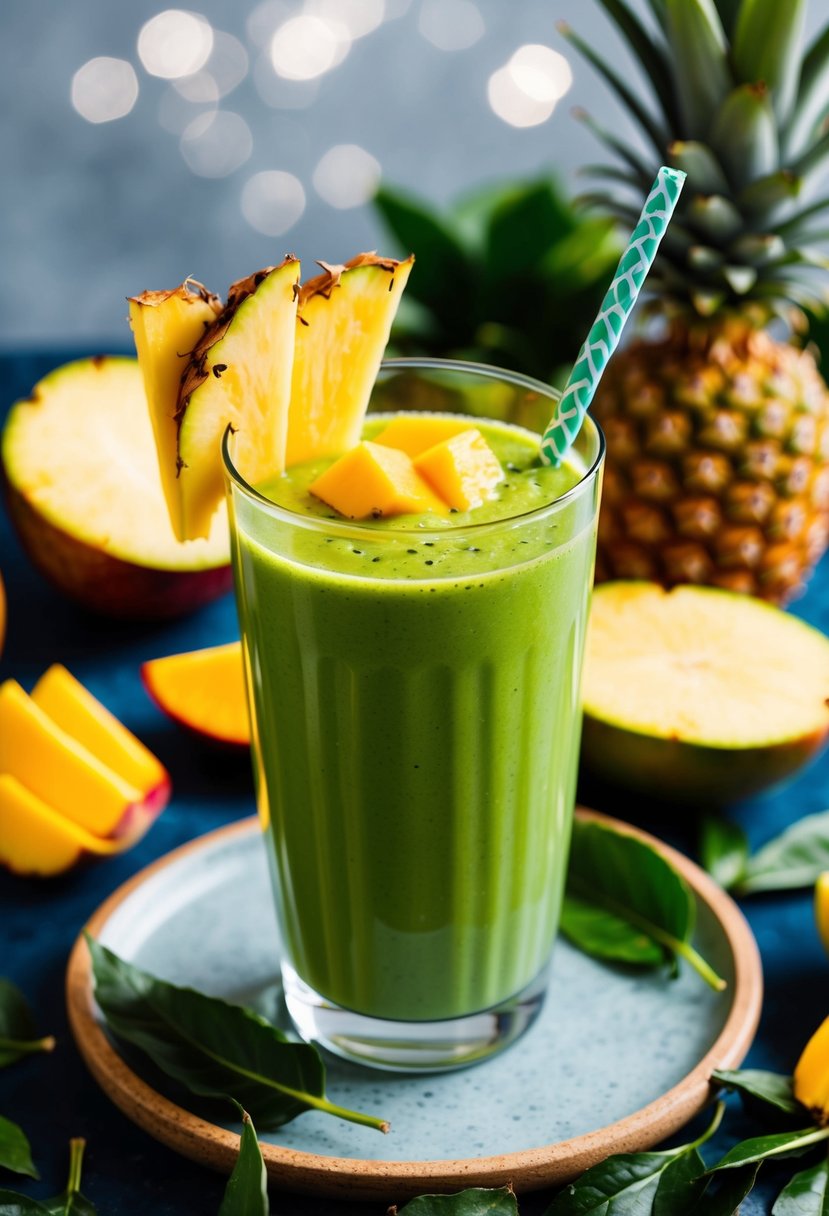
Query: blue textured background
[[54, 1098]]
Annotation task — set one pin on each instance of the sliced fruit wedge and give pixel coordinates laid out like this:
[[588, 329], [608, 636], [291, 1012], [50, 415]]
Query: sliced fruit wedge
[[700, 695], [345, 317], [74, 709], [239, 374], [64, 774], [203, 690], [37, 840], [167, 325], [85, 495]]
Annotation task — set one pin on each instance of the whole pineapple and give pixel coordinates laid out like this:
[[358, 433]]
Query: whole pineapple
[[718, 432]]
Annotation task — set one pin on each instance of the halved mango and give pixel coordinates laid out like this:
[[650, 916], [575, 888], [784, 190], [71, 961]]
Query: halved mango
[[371, 480], [463, 470], [811, 1075], [73, 708], [35, 839], [344, 320], [204, 690], [60, 771], [416, 433]]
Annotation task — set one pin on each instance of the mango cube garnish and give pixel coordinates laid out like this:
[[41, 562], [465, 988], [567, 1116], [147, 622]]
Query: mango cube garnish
[[463, 470], [811, 1076], [371, 480], [416, 433]]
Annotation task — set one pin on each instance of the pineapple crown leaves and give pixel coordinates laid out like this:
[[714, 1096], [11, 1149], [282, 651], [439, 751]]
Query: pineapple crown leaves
[[745, 114], [523, 264]]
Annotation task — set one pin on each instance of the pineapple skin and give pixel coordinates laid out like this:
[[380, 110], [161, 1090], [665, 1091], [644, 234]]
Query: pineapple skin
[[717, 467]]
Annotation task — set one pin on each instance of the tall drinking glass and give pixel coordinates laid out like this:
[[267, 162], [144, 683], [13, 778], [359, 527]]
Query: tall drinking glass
[[414, 696]]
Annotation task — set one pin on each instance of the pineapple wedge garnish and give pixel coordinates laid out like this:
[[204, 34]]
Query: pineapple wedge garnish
[[167, 325], [345, 317], [239, 375]]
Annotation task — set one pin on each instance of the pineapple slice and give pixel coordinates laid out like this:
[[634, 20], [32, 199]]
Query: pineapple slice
[[345, 316], [239, 374], [167, 325]]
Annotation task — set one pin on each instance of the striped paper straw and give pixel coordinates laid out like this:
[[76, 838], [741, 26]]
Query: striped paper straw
[[617, 306]]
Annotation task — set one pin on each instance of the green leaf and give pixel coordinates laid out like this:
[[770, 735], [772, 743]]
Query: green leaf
[[813, 161], [631, 1183], [812, 95], [727, 1191], [441, 261], [792, 860], [616, 145], [477, 1201], [772, 1088], [768, 194], [617, 874], [723, 849], [807, 1194], [213, 1048], [246, 1193], [728, 11], [715, 216], [699, 60], [15, 1150], [657, 135], [766, 47], [17, 1027], [646, 51], [603, 935], [12, 1204], [763, 1148], [744, 134], [698, 161], [523, 228]]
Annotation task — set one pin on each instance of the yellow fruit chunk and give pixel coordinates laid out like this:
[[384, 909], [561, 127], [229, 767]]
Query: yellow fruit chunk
[[822, 908], [167, 325], [204, 690], [811, 1076], [463, 470], [61, 771], [345, 317], [74, 709], [416, 433], [34, 839], [372, 480]]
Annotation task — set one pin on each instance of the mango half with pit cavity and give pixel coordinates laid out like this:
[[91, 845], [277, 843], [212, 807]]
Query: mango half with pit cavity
[[74, 781]]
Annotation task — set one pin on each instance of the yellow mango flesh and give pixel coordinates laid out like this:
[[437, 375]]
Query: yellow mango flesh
[[416, 433], [59, 770], [372, 480], [35, 839], [811, 1076], [463, 470], [204, 690], [822, 908], [74, 709]]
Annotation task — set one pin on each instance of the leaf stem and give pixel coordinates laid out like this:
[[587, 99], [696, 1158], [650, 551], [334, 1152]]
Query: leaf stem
[[28, 1046], [711, 1128], [76, 1148]]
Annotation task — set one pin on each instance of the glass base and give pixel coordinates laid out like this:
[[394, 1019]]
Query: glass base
[[410, 1046]]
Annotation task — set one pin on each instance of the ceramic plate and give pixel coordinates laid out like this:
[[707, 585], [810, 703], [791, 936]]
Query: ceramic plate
[[615, 1061]]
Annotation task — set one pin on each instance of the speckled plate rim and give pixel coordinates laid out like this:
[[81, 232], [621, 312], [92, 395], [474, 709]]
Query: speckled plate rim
[[351, 1178]]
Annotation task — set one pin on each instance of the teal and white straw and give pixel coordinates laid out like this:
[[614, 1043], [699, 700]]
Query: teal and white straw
[[617, 306]]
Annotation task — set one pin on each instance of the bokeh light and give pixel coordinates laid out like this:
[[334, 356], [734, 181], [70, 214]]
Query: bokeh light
[[305, 47], [359, 17], [175, 112], [525, 91], [347, 176], [104, 89], [175, 43], [200, 89], [451, 25], [279, 93], [263, 21], [273, 201], [216, 144]]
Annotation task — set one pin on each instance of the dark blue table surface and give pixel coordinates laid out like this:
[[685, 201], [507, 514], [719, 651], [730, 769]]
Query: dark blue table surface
[[54, 1097]]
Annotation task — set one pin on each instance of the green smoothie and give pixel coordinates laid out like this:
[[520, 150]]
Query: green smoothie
[[416, 702]]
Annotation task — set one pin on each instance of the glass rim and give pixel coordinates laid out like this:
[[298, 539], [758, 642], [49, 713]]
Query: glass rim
[[350, 527]]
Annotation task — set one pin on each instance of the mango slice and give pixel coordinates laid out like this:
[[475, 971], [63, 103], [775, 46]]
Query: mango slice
[[204, 690], [372, 480], [416, 433], [345, 317], [811, 1075], [74, 709], [463, 470], [35, 839]]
